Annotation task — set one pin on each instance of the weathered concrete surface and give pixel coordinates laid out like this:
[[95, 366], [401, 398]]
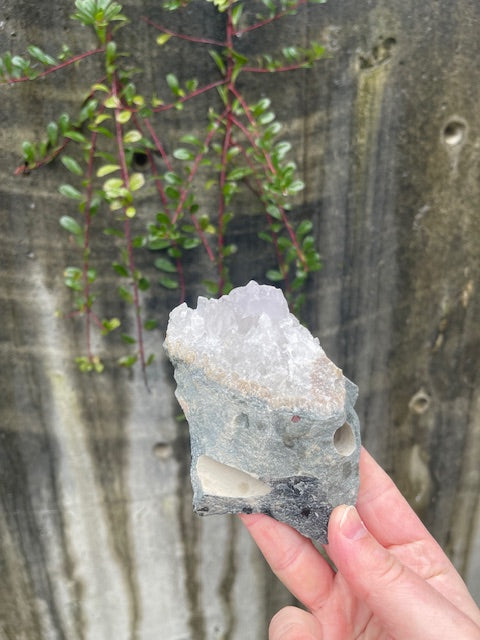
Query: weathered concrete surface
[[92, 521]]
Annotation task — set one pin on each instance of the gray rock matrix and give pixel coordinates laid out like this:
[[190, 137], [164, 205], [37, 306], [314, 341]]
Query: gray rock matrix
[[272, 424]]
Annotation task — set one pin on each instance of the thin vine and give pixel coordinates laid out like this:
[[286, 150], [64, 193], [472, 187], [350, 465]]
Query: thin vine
[[239, 149]]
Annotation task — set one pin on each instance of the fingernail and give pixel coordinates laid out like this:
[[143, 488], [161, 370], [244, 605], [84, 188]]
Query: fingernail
[[351, 525]]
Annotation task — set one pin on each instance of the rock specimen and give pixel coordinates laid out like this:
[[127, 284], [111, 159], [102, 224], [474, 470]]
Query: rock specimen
[[271, 418]]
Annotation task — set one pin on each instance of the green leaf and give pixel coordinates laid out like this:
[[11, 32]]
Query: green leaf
[[173, 83], [183, 154], [137, 180], [261, 106], [70, 192], [218, 61], [238, 173], [150, 325], [123, 116], [125, 294], [304, 227], [274, 211], [168, 283], [263, 235], [106, 169], [155, 244], [72, 165], [236, 13], [64, 122], [132, 136], [112, 102], [71, 225], [128, 339], [121, 270], [110, 52], [191, 139], [143, 284], [76, 136], [52, 133], [28, 152], [190, 243], [274, 275], [297, 185], [163, 38], [211, 286], [150, 359], [266, 118], [172, 178], [172, 192], [127, 361], [40, 55], [110, 325], [164, 264]]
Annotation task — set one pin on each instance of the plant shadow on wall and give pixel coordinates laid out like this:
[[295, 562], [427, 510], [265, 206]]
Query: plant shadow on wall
[[117, 129]]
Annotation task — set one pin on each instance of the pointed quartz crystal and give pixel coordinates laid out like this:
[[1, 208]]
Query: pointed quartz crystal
[[271, 418]]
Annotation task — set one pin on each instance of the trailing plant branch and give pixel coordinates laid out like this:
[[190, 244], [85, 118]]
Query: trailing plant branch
[[117, 126], [181, 36], [23, 63]]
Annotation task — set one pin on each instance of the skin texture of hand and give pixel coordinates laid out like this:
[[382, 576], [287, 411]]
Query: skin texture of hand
[[393, 581]]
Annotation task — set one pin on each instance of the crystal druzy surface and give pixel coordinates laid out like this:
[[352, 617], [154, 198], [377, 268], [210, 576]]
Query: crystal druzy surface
[[271, 418]]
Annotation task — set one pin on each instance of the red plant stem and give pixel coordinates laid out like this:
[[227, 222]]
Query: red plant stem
[[153, 167], [57, 67], [182, 36], [291, 67], [227, 142], [184, 193], [268, 159], [86, 243], [158, 144], [277, 16], [128, 231], [189, 96], [161, 192], [258, 192], [25, 168]]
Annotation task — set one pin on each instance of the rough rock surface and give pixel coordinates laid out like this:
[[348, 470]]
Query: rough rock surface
[[271, 418]]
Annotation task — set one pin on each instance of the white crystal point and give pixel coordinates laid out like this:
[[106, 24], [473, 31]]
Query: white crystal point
[[248, 339], [271, 418]]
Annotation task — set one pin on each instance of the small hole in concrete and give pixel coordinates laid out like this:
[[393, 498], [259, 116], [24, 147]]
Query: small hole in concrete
[[162, 450], [419, 402], [305, 512], [140, 161], [454, 133], [344, 440]]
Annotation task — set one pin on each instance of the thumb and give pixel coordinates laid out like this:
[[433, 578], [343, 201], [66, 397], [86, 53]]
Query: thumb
[[407, 606]]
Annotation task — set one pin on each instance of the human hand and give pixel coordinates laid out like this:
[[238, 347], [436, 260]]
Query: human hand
[[393, 581]]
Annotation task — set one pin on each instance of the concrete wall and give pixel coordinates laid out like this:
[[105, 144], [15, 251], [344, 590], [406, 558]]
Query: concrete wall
[[97, 535]]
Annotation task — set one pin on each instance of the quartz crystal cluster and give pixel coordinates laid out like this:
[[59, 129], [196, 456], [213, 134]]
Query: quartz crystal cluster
[[271, 418]]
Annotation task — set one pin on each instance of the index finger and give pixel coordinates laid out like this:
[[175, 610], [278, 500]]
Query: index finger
[[384, 510], [293, 559]]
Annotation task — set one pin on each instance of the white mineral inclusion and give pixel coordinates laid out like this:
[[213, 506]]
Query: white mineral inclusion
[[248, 339]]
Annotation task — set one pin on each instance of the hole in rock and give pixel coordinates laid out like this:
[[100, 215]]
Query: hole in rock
[[305, 512], [454, 133], [242, 421], [344, 440], [218, 479]]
